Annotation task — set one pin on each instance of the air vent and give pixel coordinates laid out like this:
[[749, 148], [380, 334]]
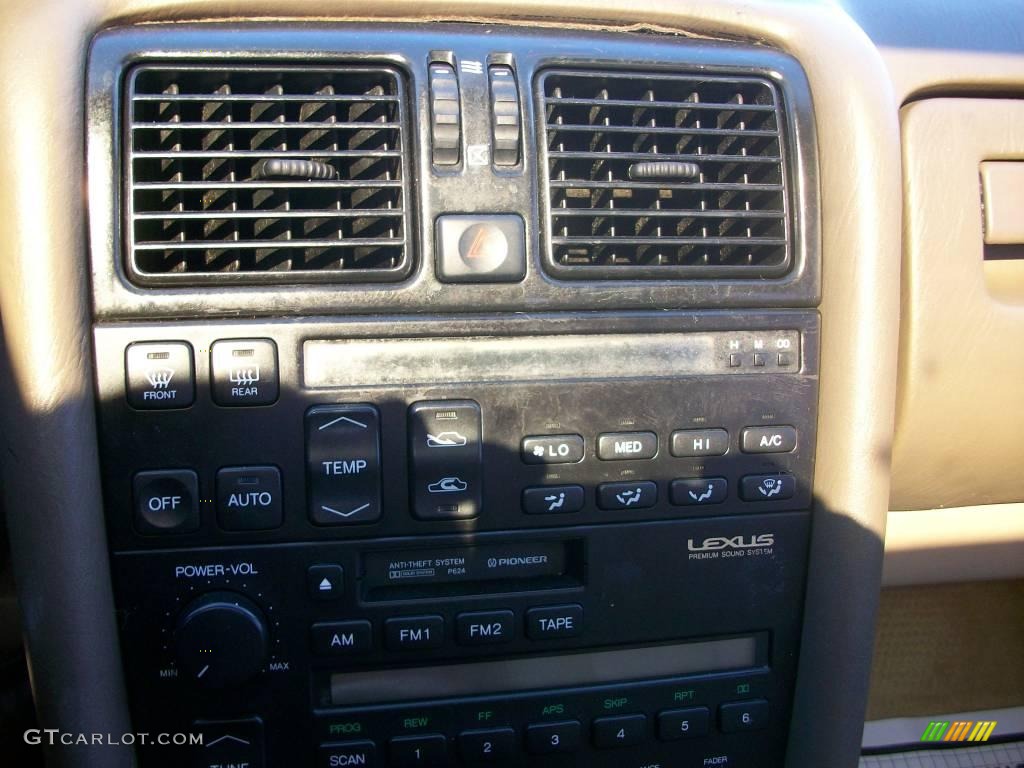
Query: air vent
[[266, 174], [664, 176]]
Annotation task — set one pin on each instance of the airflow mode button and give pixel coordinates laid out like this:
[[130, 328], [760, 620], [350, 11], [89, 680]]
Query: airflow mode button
[[343, 464], [445, 446]]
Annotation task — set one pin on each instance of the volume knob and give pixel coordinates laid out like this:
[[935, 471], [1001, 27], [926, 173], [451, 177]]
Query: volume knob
[[221, 640]]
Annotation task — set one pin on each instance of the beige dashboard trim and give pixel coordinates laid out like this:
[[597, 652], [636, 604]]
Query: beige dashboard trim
[[43, 47], [961, 544], [959, 414]]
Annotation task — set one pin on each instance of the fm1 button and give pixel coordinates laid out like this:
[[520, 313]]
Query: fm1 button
[[166, 501], [159, 375], [554, 622], [481, 249], [228, 743], [413, 632], [244, 372], [249, 498]]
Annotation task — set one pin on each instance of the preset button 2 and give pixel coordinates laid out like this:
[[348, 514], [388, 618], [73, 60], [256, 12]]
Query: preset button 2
[[343, 464]]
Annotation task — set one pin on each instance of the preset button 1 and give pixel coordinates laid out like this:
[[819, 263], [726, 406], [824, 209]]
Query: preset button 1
[[343, 464]]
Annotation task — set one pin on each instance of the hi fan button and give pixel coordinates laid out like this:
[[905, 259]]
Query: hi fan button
[[343, 464]]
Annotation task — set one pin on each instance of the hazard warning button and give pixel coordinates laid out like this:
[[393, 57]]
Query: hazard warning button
[[481, 248]]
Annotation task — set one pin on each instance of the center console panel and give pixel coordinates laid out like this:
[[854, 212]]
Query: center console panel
[[333, 551]]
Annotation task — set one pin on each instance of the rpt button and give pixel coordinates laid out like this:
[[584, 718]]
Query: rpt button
[[343, 464]]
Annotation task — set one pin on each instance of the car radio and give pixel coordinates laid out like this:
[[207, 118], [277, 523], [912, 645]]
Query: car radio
[[530, 544]]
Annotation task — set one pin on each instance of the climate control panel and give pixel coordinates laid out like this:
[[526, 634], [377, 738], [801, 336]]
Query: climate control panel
[[539, 549]]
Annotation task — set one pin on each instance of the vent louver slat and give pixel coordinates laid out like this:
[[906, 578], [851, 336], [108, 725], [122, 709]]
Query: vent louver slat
[[606, 133], [203, 206]]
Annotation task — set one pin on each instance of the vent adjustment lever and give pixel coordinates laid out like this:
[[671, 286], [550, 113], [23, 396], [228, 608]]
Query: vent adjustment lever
[[505, 120], [445, 114]]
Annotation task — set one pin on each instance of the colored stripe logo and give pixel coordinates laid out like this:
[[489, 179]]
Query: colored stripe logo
[[959, 730]]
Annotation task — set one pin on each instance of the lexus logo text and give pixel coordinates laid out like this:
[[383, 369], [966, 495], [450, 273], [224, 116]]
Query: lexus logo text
[[734, 542]]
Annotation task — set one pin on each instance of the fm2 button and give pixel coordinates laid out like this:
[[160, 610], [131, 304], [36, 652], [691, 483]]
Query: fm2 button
[[244, 372], [166, 501], [481, 249], [159, 375], [343, 464]]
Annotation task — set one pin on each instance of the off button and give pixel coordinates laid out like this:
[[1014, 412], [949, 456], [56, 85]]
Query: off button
[[166, 501]]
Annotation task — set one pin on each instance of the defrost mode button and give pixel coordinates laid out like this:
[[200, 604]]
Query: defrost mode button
[[159, 375]]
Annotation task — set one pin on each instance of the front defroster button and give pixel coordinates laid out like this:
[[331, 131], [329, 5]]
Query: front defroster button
[[554, 622]]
